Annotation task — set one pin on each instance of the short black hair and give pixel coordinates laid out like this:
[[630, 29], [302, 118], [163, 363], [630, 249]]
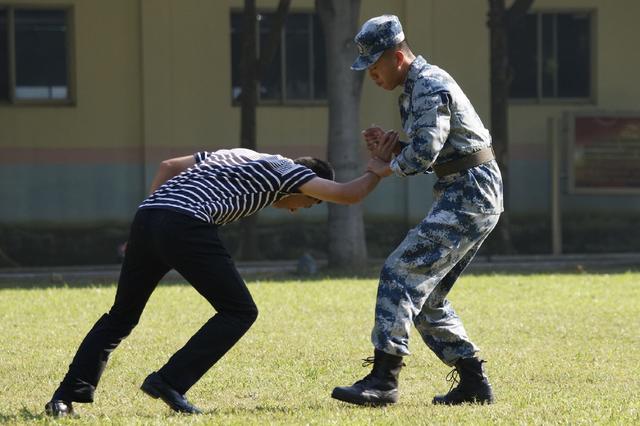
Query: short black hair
[[404, 46], [320, 167]]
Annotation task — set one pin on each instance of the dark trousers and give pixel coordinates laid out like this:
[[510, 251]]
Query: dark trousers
[[159, 241]]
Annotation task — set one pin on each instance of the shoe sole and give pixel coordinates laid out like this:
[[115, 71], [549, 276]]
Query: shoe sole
[[150, 390], [367, 403], [472, 401]]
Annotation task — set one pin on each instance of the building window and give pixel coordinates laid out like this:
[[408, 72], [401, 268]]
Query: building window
[[297, 72], [550, 56], [34, 55], [4, 56]]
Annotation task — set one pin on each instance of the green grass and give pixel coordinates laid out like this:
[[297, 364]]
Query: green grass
[[562, 349]]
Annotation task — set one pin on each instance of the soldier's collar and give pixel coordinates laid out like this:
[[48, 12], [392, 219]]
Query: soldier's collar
[[416, 66]]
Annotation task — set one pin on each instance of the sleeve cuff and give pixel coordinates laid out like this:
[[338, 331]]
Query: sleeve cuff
[[396, 168]]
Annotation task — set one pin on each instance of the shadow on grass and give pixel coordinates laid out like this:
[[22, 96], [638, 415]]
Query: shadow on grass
[[54, 280], [23, 415], [369, 273]]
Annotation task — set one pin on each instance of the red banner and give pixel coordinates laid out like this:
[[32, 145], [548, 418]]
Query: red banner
[[606, 152]]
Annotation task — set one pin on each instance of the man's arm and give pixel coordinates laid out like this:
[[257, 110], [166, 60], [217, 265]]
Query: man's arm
[[350, 192], [170, 168], [354, 191], [430, 132]]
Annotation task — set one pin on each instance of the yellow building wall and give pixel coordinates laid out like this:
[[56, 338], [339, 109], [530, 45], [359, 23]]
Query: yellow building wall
[[153, 79], [158, 72], [187, 84], [614, 71], [106, 113], [80, 163]]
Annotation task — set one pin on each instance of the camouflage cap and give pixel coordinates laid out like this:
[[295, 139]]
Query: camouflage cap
[[376, 35]]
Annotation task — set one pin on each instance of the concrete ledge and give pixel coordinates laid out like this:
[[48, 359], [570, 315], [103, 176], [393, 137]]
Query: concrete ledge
[[560, 263]]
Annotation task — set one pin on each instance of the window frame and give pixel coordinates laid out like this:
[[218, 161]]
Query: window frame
[[284, 101], [540, 99], [69, 11]]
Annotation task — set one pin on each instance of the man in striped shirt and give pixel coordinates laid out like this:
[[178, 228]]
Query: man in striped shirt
[[176, 227]]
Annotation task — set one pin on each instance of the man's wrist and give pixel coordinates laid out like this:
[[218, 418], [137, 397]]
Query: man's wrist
[[374, 173]]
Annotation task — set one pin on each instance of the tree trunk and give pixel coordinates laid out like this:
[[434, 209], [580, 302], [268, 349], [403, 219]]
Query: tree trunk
[[499, 108], [252, 69], [499, 21], [248, 103], [347, 246]]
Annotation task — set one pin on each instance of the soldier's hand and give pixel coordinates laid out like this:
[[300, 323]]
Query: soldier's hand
[[387, 146], [372, 136]]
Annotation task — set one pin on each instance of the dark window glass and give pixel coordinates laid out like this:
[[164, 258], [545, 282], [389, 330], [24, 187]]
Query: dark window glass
[[41, 54], [4, 57], [549, 64], [562, 44], [523, 55], [298, 51], [574, 58], [319, 60], [299, 61], [271, 82]]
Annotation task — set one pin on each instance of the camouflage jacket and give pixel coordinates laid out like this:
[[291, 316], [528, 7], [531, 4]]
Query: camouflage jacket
[[442, 126]]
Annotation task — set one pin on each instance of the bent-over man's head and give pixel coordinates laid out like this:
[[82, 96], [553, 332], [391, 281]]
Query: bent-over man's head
[[293, 202]]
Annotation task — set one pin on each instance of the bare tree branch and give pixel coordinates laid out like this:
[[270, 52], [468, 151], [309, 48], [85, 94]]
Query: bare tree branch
[[499, 20], [517, 11], [253, 69], [275, 35], [496, 13], [249, 96]]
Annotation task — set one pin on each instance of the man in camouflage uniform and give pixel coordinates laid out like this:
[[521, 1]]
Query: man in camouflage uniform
[[446, 137]]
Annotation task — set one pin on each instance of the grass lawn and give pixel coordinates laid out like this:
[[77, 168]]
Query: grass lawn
[[561, 349]]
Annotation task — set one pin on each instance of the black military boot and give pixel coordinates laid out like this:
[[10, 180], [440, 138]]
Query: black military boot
[[380, 387], [473, 387]]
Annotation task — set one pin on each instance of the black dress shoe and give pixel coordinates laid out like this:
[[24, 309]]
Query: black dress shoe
[[57, 408], [156, 387]]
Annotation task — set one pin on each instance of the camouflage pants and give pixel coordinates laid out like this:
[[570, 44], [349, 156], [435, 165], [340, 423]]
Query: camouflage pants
[[417, 277]]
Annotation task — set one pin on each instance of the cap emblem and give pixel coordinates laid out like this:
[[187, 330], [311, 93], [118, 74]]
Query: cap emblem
[[362, 50]]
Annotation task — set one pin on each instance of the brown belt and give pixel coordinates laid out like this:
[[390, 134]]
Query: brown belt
[[471, 160]]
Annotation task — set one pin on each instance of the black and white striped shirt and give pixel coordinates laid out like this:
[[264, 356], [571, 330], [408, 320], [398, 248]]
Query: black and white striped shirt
[[226, 185]]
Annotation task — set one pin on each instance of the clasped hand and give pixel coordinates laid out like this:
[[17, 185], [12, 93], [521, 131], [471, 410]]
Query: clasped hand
[[382, 145]]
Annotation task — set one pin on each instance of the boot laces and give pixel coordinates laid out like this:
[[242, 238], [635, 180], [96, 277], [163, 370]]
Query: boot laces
[[453, 377], [365, 363], [368, 361], [456, 379]]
